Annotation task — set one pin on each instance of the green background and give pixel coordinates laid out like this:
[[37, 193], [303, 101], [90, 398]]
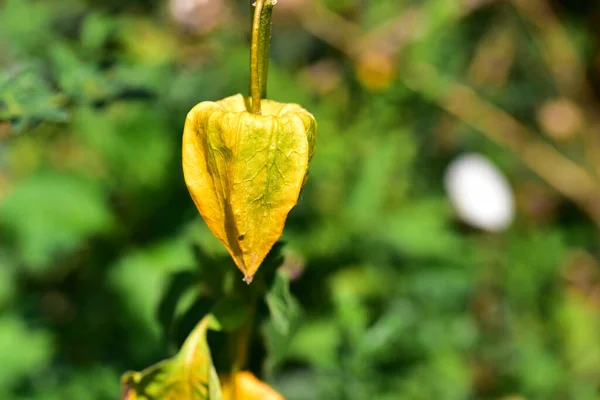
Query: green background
[[396, 298]]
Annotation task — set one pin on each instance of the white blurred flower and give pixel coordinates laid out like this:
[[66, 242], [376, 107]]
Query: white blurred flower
[[200, 16], [479, 193]]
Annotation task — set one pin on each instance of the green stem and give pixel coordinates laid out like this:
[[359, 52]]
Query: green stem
[[241, 338], [259, 51]]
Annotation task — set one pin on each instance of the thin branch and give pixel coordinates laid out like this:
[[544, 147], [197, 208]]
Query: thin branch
[[563, 174], [569, 72]]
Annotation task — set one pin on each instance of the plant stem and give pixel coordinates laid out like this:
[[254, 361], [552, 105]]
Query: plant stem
[[259, 51], [241, 338]]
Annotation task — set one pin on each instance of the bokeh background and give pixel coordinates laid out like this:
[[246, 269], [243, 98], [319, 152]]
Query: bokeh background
[[421, 273]]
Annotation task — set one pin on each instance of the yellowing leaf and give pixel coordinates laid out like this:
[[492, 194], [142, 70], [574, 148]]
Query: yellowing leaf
[[190, 375], [245, 171], [248, 387]]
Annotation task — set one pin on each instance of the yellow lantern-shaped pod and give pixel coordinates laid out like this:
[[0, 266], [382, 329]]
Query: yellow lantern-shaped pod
[[245, 171]]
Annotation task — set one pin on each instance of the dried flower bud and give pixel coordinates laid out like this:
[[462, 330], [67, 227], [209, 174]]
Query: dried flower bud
[[245, 171]]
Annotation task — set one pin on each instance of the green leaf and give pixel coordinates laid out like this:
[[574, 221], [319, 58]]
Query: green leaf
[[26, 26], [282, 306], [317, 342], [190, 375], [113, 134], [26, 98], [95, 31], [24, 352], [81, 81], [422, 229], [178, 289], [231, 312], [285, 315], [7, 282], [151, 265], [214, 386], [376, 177], [50, 213], [85, 383]]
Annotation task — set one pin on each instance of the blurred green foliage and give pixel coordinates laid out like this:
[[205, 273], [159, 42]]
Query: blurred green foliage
[[391, 296]]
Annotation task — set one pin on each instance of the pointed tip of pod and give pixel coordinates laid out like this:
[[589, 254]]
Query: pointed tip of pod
[[248, 268]]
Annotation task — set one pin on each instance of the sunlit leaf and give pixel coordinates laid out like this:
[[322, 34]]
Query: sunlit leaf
[[245, 171], [190, 375]]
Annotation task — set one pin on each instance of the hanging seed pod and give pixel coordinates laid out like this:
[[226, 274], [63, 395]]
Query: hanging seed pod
[[245, 171]]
